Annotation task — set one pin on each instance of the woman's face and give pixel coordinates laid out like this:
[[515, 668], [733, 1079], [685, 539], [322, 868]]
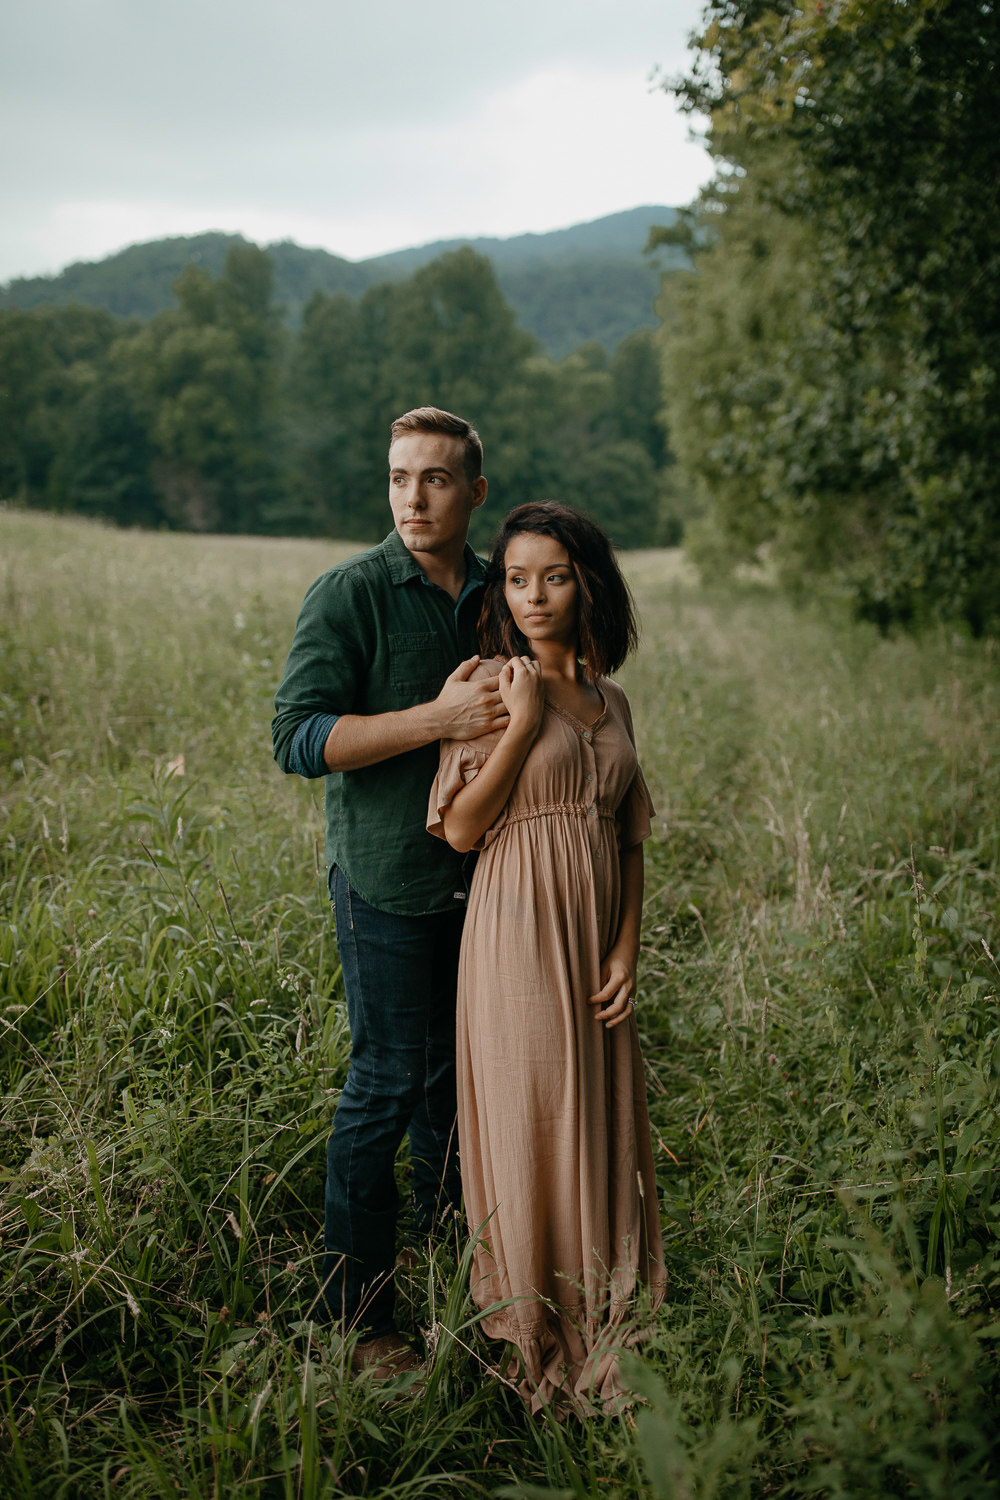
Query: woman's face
[[541, 588]]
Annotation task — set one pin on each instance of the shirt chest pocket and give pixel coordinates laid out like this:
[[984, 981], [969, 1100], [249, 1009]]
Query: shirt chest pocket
[[417, 664]]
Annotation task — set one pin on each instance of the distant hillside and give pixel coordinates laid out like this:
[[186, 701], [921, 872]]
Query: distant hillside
[[587, 282], [591, 281], [137, 282], [615, 235]]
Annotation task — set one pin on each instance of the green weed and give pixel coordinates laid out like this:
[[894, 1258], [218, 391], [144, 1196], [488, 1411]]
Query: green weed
[[820, 1023]]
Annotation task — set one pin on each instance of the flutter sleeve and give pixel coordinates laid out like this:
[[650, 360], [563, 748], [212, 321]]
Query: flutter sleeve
[[635, 813], [636, 810], [461, 762]]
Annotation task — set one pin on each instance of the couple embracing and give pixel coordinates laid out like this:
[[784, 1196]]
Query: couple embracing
[[485, 814]]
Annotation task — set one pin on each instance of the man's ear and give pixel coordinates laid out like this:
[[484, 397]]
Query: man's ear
[[478, 490]]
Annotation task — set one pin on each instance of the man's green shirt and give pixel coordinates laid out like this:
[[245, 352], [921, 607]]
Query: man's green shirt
[[373, 636]]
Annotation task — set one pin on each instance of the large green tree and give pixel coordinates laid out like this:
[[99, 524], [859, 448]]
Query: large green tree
[[208, 378], [834, 361], [444, 337], [578, 430], [51, 361], [212, 417], [169, 423]]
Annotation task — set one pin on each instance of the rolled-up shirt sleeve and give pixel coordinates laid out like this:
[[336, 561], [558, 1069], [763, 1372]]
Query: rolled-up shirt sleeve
[[306, 758], [324, 673]]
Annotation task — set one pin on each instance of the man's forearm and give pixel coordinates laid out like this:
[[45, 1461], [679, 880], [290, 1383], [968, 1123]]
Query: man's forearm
[[356, 740], [462, 710]]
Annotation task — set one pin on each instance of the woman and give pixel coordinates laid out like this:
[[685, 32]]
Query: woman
[[553, 1130]]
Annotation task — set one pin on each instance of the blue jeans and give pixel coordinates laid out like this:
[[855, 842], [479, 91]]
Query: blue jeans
[[400, 976]]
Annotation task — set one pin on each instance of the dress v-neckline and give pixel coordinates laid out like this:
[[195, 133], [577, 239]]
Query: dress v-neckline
[[590, 727]]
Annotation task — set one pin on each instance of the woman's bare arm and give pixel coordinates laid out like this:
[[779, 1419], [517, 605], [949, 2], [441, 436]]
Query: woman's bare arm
[[477, 806], [618, 970]]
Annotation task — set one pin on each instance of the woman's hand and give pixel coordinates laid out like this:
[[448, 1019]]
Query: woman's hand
[[477, 805], [617, 989], [523, 694]]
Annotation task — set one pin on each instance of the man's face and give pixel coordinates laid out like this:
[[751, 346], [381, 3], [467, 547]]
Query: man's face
[[431, 499]]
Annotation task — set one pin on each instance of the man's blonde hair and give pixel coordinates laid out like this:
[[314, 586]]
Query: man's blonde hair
[[433, 419]]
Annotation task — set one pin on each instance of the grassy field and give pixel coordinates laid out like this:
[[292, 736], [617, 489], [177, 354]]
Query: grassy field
[[820, 1022]]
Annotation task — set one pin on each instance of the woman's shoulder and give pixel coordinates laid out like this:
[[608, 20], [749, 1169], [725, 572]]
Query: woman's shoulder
[[613, 691], [618, 704], [488, 667]]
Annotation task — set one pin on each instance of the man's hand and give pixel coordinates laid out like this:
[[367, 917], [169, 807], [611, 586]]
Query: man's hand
[[477, 805], [464, 709]]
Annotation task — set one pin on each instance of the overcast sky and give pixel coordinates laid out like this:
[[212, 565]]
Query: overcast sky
[[359, 125]]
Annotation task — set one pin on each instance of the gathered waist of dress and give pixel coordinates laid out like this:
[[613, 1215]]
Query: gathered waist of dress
[[558, 809]]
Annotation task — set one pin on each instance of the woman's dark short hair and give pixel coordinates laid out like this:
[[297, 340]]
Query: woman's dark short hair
[[608, 632]]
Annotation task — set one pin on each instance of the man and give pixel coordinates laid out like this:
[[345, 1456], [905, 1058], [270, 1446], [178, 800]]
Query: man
[[376, 676]]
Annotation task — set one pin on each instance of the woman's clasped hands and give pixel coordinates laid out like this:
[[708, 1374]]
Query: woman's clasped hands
[[523, 694]]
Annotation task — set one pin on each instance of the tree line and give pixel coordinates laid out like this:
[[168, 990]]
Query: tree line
[[826, 375], [214, 416], [831, 367]]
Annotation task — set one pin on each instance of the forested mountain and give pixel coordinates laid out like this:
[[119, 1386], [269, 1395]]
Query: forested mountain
[[589, 282], [138, 282], [215, 415]]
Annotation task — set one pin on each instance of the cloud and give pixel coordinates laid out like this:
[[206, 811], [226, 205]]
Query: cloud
[[360, 128]]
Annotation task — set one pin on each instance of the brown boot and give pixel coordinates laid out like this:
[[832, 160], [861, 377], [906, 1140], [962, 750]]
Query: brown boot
[[385, 1357]]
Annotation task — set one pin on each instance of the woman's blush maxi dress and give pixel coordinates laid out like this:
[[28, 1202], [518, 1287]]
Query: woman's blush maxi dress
[[553, 1129]]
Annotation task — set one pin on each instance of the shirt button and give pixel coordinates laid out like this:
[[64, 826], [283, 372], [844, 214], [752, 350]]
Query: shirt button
[[590, 775], [592, 812], [586, 734]]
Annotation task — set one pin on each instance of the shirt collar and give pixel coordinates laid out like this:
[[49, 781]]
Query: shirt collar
[[403, 566]]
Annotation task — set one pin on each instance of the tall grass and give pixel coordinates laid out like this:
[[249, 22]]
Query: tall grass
[[819, 1015]]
